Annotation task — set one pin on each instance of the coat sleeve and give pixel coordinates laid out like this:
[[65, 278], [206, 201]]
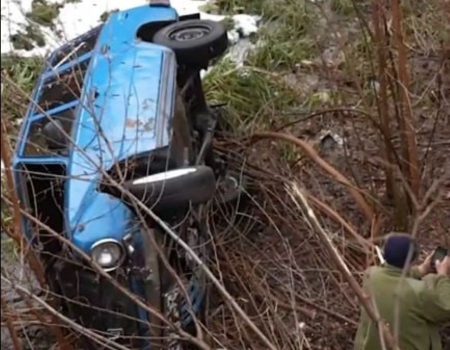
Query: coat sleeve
[[364, 321], [435, 298]]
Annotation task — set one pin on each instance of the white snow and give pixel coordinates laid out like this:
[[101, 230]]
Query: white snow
[[246, 25], [76, 18]]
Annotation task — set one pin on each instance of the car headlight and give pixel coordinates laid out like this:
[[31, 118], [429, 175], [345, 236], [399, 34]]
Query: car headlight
[[108, 253]]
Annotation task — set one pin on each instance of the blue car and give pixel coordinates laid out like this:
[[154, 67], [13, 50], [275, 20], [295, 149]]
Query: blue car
[[118, 117]]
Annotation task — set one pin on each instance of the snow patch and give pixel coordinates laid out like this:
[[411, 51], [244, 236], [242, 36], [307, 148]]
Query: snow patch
[[246, 25], [76, 18]]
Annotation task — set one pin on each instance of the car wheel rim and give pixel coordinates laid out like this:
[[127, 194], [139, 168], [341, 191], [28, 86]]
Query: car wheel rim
[[189, 34]]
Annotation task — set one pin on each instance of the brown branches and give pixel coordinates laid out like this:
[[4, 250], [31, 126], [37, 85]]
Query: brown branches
[[284, 270], [366, 209], [55, 313], [406, 114], [393, 77], [18, 235], [9, 323], [220, 287], [383, 110], [300, 201], [324, 208]]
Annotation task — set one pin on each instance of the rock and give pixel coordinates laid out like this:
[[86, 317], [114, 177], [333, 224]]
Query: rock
[[330, 141], [333, 57]]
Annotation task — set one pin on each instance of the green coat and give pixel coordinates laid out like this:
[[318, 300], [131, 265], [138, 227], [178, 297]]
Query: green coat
[[422, 306]]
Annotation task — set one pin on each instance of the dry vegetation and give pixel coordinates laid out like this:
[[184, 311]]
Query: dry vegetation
[[341, 110]]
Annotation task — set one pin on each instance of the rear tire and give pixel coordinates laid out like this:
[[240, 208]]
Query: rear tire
[[195, 42]]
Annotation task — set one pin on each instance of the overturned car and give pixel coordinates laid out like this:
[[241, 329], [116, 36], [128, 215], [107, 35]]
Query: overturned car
[[118, 130]]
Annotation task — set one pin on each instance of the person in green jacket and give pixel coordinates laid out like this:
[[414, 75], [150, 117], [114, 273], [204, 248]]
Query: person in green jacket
[[415, 302]]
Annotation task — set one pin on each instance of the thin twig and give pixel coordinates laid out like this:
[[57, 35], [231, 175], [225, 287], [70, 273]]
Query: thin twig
[[300, 201]]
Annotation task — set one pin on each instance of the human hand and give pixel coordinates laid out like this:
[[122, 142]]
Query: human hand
[[443, 267], [426, 267]]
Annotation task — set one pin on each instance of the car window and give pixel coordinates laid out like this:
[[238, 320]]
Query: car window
[[76, 48], [44, 198], [46, 138], [63, 88]]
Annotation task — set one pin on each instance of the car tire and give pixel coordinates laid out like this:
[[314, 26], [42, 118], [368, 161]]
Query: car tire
[[195, 187], [195, 42]]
